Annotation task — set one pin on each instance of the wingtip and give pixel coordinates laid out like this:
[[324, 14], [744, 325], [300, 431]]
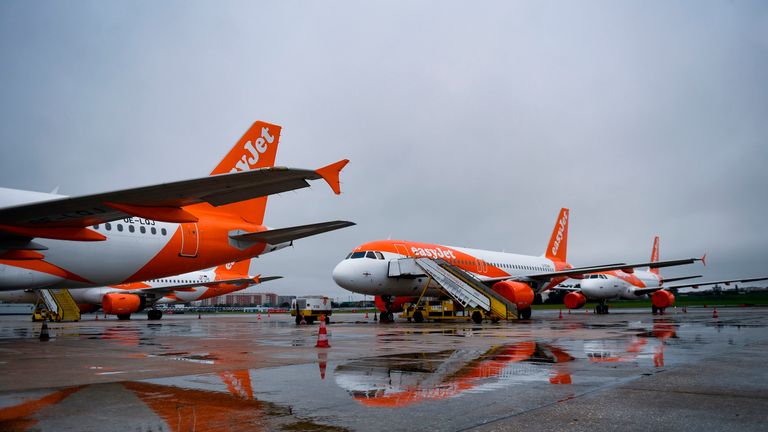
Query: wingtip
[[704, 260], [330, 174]]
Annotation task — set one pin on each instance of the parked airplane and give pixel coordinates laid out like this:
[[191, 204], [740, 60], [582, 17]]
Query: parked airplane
[[368, 269], [144, 233], [630, 284], [125, 299]]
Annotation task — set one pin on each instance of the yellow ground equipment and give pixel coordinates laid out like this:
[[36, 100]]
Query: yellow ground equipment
[[55, 305]]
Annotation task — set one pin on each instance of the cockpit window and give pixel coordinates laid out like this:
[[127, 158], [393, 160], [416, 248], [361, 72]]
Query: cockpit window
[[379, 255], [370, 255], [348, 255], [357, 255]]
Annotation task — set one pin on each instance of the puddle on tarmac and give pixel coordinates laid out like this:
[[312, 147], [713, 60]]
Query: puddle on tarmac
[[455, 385]]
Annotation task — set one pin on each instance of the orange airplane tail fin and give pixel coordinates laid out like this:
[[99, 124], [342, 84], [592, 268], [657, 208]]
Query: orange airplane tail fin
[[655, 254], [256, 149], [233, 269], [557, 249]]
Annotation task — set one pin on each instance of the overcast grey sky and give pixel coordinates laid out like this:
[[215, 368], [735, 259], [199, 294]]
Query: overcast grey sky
[[467, 123]]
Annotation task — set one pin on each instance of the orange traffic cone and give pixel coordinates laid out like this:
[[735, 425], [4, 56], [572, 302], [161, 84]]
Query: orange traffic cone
[[561, 314], [322, 335], [268, 315], [714, 312], [259, 318], [366, 315]]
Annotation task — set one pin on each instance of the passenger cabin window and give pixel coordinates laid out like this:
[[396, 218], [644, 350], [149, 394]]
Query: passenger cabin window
[[358, 255], [108, 226], [153, 230], [120, 227], [131, 228]]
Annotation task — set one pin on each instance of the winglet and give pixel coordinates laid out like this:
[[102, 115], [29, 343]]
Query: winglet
[[704, 259], [331, 173]]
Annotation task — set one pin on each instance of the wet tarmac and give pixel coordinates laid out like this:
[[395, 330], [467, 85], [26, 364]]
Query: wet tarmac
[[627, 370]]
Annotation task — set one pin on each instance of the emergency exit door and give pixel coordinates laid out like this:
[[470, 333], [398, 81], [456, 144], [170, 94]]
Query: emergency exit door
[[190, 240]]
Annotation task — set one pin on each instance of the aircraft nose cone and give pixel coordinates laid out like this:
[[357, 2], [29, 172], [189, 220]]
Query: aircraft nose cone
[[342, 275]]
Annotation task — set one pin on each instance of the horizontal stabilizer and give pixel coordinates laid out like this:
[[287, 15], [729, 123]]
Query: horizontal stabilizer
[[284, 235]]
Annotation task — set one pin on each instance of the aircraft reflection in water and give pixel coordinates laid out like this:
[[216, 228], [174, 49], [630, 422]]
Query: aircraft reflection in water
[[621, 350], [219, 401], [404, 379]]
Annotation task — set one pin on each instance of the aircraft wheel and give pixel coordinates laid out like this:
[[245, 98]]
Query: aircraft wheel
[[418, 317], [654, 309], [309, 320], [123, 317], [524, 313], [383, 317], [477, 317], [327, 320], [390, 317], [298, 319], [154, 314]]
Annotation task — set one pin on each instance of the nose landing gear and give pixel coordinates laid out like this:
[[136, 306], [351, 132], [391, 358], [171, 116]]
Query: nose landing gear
[[601, 308], [387, 316]]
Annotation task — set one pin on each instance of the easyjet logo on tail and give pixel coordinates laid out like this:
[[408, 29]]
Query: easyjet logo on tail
[[255, 148], [560, 231]]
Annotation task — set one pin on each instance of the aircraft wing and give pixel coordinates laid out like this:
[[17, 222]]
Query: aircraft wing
[[284, 235], [189, 286], [580, 271], [725, 281], [67, 218]]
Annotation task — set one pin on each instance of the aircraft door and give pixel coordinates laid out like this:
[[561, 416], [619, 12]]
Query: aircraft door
[[190, 241]]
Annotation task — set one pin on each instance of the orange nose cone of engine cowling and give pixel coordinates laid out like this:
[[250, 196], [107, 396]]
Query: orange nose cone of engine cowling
[[518, 293], [116, 303], [662, 299], [574, 300]]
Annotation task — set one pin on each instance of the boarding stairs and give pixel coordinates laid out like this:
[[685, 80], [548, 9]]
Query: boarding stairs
[[461, 286], [55, 305]]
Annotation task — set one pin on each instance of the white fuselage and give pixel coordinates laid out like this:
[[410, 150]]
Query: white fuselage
[[368, 273], [131, 245], [616, 284], [95, 295]]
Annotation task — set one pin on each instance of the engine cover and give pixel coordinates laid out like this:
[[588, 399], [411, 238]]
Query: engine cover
[[574, 300], [397, 303], [518, 293], [119, 303], [662, 299]]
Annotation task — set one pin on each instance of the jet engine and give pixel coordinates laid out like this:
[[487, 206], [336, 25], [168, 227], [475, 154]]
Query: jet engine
[[396, 305], [122, 304], [518, 293], [662, 299], [574, 300]]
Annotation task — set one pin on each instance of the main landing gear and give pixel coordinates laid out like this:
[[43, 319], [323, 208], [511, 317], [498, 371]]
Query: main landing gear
[[154, 314], [657, 310]]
